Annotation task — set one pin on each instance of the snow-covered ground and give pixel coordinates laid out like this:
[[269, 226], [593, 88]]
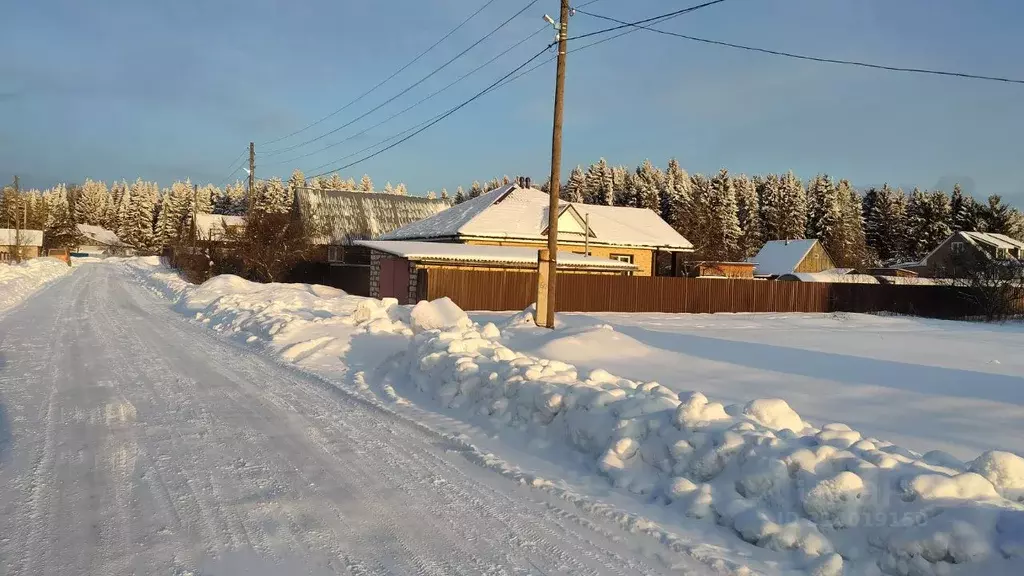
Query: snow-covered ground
[[19, 281], [733, 476]]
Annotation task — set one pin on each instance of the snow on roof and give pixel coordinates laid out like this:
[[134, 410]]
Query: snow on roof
[[779, 257], [99, 235], [419, 251], [11, 236], [831, 277], [345, 215], [995, 240], [212, 226], [522, 213]]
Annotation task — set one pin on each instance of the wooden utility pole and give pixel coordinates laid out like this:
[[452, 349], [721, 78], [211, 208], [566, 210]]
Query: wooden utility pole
[[546, 302], [252, 169], [17, 225]]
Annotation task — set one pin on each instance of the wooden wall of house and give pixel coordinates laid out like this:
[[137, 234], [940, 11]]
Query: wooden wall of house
[[643, 258], [27, 252], [816, 260]]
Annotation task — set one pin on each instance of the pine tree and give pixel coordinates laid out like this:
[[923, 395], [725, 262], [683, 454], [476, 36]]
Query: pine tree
[[648, 184], [676, 197], [37, 210], [125, 217], [825, 214], [296, 180], [365, 184], [332, 182], [793, 206], [597, 184], [91, 203], [205, 198], [996, 217], [574, 188], [444, 194], [401, 189], [460, 196], [63, 231], [350, 184], [272, 197], [475, 190], [174, 208], [916, 222], [431, 195], [55, 200], [885, 224], [769, 199], [620, 183], [388, 189], [748, 214], [963, 210], [854, 253]]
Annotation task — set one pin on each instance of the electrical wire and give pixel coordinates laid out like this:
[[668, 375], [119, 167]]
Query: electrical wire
[[811, 58], [237, 168], [645, 20], [406, 90], [441, 117], [415, 105], [386, 80], [507, 79]]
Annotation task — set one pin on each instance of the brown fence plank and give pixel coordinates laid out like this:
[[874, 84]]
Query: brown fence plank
[[508, 290]]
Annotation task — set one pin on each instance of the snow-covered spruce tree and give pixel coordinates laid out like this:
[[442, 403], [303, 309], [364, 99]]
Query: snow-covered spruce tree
[[36, 210], [334, 182], [493, 184], [629, 195], [365, 184], [401, 190], [749, 216], [725, 221], [58, 195], [597, 188], [91, 203], [621, 176], [936, 222], [205, 197], [648, 183], [476, 189], [272, 197], [916, 221], [963, 211], [675, 194], [885, 224], [388, 189], [112, 218], [351, 185], [855, 251], [63, 231], [175, 206], [124, 217], [573, 191], [444, 194], [825, 214], [769, 199], [460, 195], [997, 217], [431, 195], [793, 203], [296, 180]]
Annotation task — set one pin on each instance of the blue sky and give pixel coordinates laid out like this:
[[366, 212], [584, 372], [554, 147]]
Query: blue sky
[[114, 89]]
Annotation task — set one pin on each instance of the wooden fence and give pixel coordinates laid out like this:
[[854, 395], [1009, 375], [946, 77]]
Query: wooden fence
[[509, 290]]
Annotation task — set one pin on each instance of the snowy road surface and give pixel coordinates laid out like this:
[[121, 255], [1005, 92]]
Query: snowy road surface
[[132, 442]]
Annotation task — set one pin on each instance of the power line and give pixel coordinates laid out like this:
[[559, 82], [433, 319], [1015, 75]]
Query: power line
[[507, 79], [232, 173], [420, 102], [388, 79], [406, 90], [812, 58], [638, 23], [441, 117]]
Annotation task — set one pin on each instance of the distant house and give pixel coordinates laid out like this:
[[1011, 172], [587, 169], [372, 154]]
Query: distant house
[[515, 216], [100, 242], [948, 259], [719, 269], [395, 264], [340, 217], [779, 257], [29, 243]]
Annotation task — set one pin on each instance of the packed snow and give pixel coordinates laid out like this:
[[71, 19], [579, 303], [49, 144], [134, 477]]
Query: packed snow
[[19, 281], [796, 490]]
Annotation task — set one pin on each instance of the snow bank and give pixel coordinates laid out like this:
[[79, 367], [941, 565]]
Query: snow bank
[[836, 501], [825, 499], [19, 281]]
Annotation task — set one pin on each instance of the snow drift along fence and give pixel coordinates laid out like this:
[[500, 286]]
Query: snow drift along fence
[[511, 290]]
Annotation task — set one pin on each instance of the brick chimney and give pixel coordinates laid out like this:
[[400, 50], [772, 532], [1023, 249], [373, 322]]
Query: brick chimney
[[527, 182]]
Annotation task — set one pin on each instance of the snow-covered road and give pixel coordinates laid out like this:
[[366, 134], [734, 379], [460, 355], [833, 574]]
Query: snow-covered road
[[134, 442]]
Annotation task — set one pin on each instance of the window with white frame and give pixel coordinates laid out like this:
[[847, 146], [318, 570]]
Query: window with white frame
[[627, 258]]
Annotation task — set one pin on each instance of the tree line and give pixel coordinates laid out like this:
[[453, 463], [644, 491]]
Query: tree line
[[729, 217], [148, 217]]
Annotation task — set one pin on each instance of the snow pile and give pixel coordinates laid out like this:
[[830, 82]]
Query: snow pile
[[827, 496], [18, 281]]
